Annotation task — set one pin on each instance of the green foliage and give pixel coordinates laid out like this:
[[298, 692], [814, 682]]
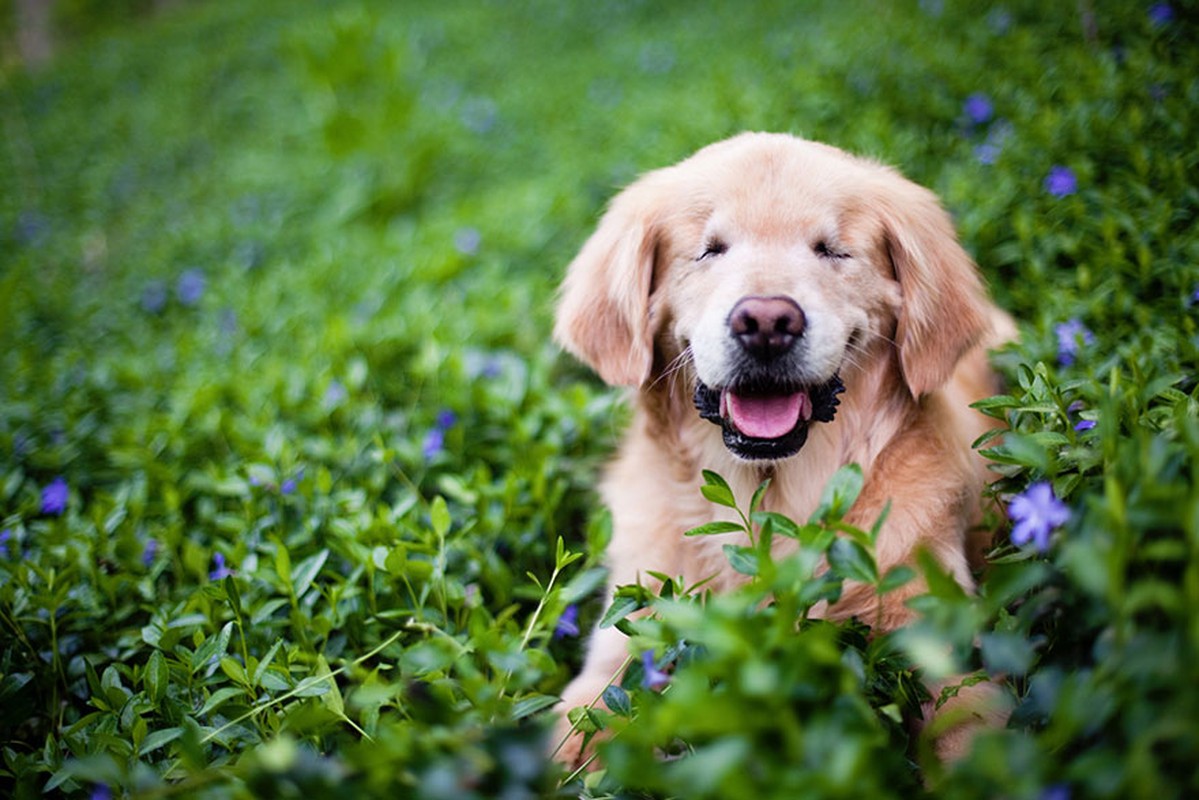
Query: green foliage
[[275, 288]]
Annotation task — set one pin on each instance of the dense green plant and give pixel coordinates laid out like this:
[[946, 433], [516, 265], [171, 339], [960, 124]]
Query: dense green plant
[[295, 495]]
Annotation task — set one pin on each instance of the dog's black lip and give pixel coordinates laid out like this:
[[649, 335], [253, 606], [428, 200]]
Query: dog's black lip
[[824, 408]]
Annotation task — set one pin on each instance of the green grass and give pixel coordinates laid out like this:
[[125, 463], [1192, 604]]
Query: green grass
[[276, 284]]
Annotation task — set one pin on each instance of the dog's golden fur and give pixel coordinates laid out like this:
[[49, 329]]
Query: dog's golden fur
[[892, 303]]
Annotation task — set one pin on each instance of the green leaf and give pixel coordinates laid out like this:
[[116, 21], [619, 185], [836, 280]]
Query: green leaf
[[781, 524], [304, 573], [158, 739], [742, 559], [895, 578], [840, 493], [533, 704], [621, 607], [720, 495], [852, 561], [617, 699], [156, 677], [220, 697], [759, 494], [712, 528], [439, 516]]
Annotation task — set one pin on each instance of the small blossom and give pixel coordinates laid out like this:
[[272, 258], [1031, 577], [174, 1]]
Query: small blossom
[[288, 486], [1071, 335], [149, 552], [433, 445], [154, 297], [654, 678], [1084, 425], [190, 287], [1161, 14], [1060, 182], [1036, 513], [987, 153], [446, 419], [1000, 20], [5, 535], [335, 395], [568, 623], [467, 241], [54, 497], [101, 791], [1195, 296], [1058, 791], [219, 571], [978, 109]]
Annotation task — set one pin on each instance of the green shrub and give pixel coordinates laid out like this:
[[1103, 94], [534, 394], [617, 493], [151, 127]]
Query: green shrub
[[294, 491]]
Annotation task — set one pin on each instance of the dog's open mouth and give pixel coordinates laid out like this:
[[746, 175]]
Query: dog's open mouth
[[768, 422]]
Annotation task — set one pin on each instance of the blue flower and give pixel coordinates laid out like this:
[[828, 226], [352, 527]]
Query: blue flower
[[654, 678], [101, 791], [54, 497], [154, 297], [1058, 791], [987, 153], [1071, 335], [433, 445], [1160, 15], [568, 623], [467, 241], [288, 486], [1060, 182], [5, 535], [1036, 513], [190, 287], [149, 552], [978, 109], [335, 395], [1084, 425], [220, 571]]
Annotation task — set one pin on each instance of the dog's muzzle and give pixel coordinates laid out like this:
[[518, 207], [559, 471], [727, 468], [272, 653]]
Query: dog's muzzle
[[768, 423]]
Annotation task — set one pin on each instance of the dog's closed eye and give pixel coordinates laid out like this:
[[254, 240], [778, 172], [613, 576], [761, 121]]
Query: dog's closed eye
[[823, 249], [713, 247]]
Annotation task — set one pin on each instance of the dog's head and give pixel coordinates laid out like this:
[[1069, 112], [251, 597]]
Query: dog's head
[[765, 266]]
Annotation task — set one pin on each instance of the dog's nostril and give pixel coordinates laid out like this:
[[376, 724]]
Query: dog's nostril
[[767, 326]]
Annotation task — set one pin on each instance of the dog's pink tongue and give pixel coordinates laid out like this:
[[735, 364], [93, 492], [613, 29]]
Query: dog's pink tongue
[[768, 416]]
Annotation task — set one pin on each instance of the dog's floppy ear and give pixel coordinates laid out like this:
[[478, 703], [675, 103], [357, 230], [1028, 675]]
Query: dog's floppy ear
[[604, 303], [944, 310]]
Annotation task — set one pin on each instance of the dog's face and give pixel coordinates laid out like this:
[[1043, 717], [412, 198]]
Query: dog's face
[[764, 267]]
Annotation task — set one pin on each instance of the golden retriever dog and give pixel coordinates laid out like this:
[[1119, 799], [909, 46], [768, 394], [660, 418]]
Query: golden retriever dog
[[780, 309]]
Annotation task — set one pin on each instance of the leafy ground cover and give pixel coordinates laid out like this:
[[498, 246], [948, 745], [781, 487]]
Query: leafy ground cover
[[295, 494]]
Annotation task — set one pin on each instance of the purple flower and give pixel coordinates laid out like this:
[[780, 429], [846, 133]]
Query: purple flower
[[335, 395], [1084, 425], [1036, 513], [5, 535], [467, 241], [433, 445], [654, 678], [568, 623], [1060, 182], [220, 571], [54, 497], [288, 486], [1058, 791], [446, 419], [1160, 15], [978, 109], [190, 287], [1071, 335], [149, 552], [101, 791], [1195, 297], [987, 153], [154, 297]]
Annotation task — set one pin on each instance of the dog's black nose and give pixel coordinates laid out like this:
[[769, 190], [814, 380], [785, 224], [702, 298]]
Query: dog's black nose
[[766, 327]]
